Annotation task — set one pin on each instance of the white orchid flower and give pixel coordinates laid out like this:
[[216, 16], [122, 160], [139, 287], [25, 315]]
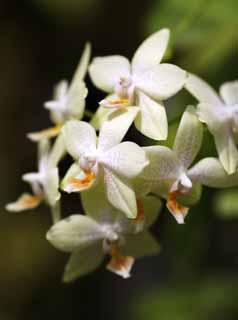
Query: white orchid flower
[[170, 174], [106, 156], [144, 83], [167, 172], [221, 116], [44, 183], [69, 100], [103, 231]]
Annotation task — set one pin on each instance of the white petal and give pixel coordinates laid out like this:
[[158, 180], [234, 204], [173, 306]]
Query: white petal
[[51, 186], [106, 71], [210, 172], [218, 122], [75, 232], [188, 139], [151, 51], [163, 170], [152, 119], [79, 137], [58, 151], [162, 82], [83, 65], [116, 126], [76, 100], [227, 149], [201, 90], [60, 90], [82, 262], [44, 134], [120, 194], [25, 202], [229, 92], [126, 159]]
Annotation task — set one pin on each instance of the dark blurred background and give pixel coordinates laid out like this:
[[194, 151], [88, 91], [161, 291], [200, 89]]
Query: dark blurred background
[[195, 277]]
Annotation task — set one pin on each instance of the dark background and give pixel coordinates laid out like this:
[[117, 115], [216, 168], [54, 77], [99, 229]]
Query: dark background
[[195, 277]]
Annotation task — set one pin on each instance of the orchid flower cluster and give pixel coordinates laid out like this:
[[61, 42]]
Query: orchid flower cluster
[[121, 184]]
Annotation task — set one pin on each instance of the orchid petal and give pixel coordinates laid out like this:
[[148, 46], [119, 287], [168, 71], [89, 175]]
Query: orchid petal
[[229, 92], [218, 123], [25, 202], [126, 159], [162, 82], [57, 152], [51, 186], [79, 137], [120, 194], [115, 128], [105, 72], [74, 233], [188, 139], [201, 90], [77, 180], [152, 119], [151, 51], [164, 168], [210, 172], [44, 134], [100, 116], [82, 262]]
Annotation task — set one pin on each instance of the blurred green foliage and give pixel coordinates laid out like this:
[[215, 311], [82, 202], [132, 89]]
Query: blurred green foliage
[[205, 32], [209, 299], [226, 203]]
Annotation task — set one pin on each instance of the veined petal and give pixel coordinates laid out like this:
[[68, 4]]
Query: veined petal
[[74, 233], [176, 209], [164, 168], [119, 264], [229, 92], [82, 262], [77, 180], [227, 149], [106, 71], [152, 119], [25, 202], [126, 159], [151, 51], [141, 245], [120, 194], [115, 128], [79, 137], [44, 134], [162, 81], [210, 172], [51, 186], [201, 90], [188, 139]]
